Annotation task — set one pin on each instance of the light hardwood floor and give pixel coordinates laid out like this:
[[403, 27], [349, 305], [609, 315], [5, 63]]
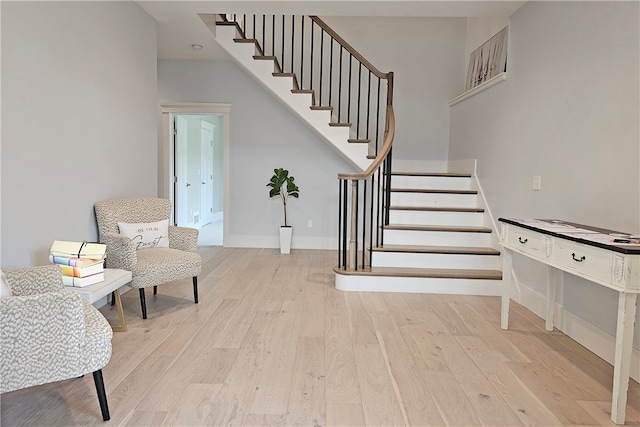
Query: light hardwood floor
[[273, 343]]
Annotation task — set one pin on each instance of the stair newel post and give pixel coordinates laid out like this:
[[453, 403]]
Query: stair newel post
[[353, 239]]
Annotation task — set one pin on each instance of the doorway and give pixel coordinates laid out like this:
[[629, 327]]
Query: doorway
[[195, 167]]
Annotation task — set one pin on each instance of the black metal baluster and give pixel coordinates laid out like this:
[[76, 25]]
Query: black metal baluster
[[364, 221], [344, 226], [378, 208], [273, 35], [293, 33], [359, 92], [244, 26], [340, 84], [321, 62], [282, 63], [368, 103], [264, 40], [302, 52], [330, 71], [371, 222], [349, 94], [311, 67], [354, 232], [339, 221], [254, 27], [378, 118]]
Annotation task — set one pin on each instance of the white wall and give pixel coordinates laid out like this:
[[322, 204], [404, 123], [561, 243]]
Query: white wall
[[569, 112], [264, 135], [427, 58], [79, 115]]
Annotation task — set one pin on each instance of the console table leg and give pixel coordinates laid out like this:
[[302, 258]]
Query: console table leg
[[123, 322], [554, 277], [507, 261], [622, 362]]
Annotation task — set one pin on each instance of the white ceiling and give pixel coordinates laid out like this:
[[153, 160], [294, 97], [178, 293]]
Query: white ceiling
[[179, 25]]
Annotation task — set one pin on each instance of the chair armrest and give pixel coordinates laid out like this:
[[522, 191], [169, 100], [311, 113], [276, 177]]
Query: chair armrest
[[120, 251], [183, 238], [33, 328], [35, 280]]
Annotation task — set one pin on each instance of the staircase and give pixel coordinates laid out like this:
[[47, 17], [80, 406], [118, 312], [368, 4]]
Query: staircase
[[399, 231], [436, 240]]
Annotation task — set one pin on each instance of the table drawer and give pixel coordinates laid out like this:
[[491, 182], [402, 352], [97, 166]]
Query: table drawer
[[529, 242], [585, 260]]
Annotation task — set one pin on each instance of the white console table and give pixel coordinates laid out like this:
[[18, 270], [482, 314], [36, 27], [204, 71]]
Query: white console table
[[114, 279], [589, 253]]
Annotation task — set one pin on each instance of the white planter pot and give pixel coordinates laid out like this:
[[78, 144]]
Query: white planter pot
[[285, 239]]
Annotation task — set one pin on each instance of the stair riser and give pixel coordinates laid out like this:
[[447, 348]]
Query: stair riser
[[435, 218], [431, 182], [436, 238], [419, 285], [421, 260], [434, 200]]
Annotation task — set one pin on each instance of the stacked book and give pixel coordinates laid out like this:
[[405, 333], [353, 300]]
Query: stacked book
[[81, 263]]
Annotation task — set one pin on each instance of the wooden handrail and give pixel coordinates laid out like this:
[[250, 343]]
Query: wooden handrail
[[388, 142], [348, 47]]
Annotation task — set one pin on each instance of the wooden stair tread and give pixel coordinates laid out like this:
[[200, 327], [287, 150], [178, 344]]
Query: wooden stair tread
[[340, 124], [451, 228], [359, 141], [435, 209], [432, 273], [457, 250], [418, 190], [322, 107], [433, 174]]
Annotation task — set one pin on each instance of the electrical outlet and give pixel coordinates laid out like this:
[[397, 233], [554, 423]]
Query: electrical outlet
[[536, 183], [310, 224]]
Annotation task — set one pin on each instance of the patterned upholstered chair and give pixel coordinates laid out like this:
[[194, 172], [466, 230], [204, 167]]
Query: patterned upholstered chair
[[150, 266], [48, 333]]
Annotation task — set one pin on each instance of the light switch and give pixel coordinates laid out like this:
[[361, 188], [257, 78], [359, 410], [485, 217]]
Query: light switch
[[536, 183]]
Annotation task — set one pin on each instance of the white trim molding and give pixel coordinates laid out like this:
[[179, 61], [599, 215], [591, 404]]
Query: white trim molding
[[480, 88]]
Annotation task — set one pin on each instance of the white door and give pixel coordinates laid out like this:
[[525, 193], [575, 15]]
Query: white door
[[206, 176], [181, 170]]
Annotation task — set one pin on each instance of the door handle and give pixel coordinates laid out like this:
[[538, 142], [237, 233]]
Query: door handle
[[188, 185], [203, 183]]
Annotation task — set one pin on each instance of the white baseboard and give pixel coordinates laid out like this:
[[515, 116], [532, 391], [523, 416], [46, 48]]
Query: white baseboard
[[599, 342], [297, 242]]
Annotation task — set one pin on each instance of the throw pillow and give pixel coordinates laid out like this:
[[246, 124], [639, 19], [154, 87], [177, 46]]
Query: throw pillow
[[5, 290], [147, 235]]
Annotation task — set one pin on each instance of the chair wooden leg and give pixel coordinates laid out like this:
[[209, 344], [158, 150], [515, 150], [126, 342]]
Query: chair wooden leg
[[195, 289], [143, 303], [155, 290], [102, 395]]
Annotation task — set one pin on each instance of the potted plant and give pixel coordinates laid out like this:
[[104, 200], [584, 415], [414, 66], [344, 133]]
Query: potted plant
[[284, 186]]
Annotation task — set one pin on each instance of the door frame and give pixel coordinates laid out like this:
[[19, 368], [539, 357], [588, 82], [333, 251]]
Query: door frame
[[166, 152], [206, 155]]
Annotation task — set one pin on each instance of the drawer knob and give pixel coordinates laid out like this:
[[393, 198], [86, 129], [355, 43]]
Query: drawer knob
[[522, 241], [582, 258]]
